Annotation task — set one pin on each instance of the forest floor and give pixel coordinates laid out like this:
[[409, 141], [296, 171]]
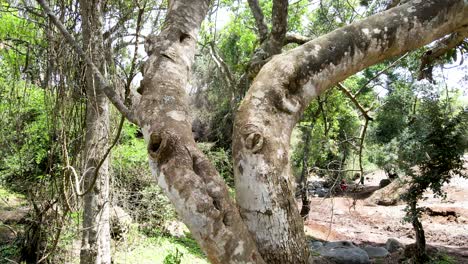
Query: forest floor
[[136, 248], [445, 221]]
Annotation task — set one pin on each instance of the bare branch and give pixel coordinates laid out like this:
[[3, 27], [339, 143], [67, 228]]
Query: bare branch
[[222, 65], [354, 100], [380, 73], [106, 86], [117, 25]]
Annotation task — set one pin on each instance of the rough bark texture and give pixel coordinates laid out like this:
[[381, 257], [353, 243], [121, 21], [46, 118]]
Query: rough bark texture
[[189, 180], [96, 234], [421, 256], [283, 89]]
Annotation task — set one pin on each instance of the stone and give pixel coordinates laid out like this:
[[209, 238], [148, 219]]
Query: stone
[[120, 222], [384, 182], [7, 235], [343, 243], [376, 252], [342, 255], [315, 245], [317, 189], [344, 252], [176, 229], [393, 245], [14, 215]]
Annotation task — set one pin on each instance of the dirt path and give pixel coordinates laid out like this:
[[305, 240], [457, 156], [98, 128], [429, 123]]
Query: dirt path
[[445, 222]]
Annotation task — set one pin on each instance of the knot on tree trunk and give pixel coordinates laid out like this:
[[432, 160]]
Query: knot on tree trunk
[[154, 145], [253, 138]]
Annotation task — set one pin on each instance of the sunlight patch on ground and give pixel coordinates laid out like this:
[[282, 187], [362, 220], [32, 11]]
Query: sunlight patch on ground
[[154, 250]]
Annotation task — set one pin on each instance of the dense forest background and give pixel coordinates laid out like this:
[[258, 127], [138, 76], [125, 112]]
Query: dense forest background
[[395, 116]]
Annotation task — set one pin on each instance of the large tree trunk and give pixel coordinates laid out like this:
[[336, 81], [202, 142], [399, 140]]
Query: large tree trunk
[[96, 233], [198, 193], [283, 89]]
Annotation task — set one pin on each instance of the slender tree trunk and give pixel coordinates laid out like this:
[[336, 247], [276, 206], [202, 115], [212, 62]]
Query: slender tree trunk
[[421, 256], [96, 233], [305, 208]]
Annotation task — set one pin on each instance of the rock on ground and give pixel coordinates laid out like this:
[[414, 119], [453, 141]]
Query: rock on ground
[[120, 222], [376, 252], [341, 252], [393, 245]]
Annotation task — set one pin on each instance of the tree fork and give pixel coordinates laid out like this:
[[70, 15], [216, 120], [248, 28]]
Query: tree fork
[[193, 185]]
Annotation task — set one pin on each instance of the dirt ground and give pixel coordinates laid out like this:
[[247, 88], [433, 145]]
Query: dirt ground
[[445, 221]]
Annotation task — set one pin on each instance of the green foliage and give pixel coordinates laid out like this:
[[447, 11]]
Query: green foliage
[[130, 159], [25, 138], [385, 156], [19, 42], [222, 161], [423, 136], [394, 114], [10, 251], [152, 210], [435, 144], [332, 123], [442, 258], [332, 14], [135, 190], [173, 258], [141, 249]]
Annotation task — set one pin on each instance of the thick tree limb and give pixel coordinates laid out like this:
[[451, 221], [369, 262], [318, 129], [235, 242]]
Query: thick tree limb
[[272, 44], [259, 19], [283, 89], [107, 87]]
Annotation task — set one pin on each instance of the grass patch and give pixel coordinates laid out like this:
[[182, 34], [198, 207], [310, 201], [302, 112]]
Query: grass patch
[[139, 249], [10, 200]]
